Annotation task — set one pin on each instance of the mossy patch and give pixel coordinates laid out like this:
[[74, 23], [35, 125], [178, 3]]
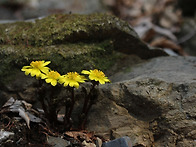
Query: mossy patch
[[62, 28]]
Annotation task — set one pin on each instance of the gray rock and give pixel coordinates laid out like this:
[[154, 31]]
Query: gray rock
[[120, 142], [172, 69], [154, 103], [57, 141]]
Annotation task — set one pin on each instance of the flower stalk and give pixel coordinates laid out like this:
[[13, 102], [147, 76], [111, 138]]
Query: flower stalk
[[69, 110], [88, 101]]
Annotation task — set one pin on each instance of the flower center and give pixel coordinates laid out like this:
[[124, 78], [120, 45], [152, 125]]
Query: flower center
[[72, 75], [98, 73], [54, 75], [36, 64]]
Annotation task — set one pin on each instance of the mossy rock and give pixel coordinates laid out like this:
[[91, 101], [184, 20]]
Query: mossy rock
[[60, 29], [72, 42]]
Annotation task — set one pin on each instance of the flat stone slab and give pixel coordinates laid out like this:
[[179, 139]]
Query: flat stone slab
[[171, 69]]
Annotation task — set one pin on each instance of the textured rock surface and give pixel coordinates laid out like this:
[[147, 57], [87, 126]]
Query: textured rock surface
[[154, 104]]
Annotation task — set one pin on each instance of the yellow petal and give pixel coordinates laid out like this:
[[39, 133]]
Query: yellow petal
[[101, 81], [27, 71], [75, 84], [107, 80], [43, 76], [25, 67], [48, 80], [85, 72], [65, 84], [46, 63], [54, 82]]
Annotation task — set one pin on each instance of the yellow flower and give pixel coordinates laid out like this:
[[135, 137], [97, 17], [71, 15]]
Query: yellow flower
[[96, 75], [51, 77], [72, 79], [36, 68]]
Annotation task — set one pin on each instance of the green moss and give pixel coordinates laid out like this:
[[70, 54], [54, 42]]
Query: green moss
[[61, 28]]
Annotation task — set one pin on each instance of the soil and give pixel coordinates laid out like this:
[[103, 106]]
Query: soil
[[37, 135], [23, 136]]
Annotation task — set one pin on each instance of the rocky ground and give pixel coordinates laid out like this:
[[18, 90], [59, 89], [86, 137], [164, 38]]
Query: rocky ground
[[151, 97]]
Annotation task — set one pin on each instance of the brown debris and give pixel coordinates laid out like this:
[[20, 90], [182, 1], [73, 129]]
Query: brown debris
[[153, 20]]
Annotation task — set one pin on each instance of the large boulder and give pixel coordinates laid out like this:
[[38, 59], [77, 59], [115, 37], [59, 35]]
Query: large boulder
[[154, 104]]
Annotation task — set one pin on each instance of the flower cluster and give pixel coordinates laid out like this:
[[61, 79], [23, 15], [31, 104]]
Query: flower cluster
[[40, 70], [72, 79]]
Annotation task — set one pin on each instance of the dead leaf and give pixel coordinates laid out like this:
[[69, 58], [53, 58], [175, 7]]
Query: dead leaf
[[165, 43], [17, 106], [4, 135], [33, 118], [81, 134], [9, 102], [25, 116]]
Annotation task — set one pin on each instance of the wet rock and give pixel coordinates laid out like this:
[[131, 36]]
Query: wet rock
[[154, 103], [120, 142]]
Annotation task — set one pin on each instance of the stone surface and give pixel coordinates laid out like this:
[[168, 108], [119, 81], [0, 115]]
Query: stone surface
[[57, 141], [153, 104], [119, 142], [171, 69]]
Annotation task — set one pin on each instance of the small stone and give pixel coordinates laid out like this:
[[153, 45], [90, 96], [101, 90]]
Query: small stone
[[120, 142], [99, 142], [86, 144], [57, 141]]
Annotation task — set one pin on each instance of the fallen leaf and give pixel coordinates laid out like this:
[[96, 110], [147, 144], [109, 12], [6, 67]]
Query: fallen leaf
[[165, 43], [25, 116], [13, 105], [80, 134], [4, 135]]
